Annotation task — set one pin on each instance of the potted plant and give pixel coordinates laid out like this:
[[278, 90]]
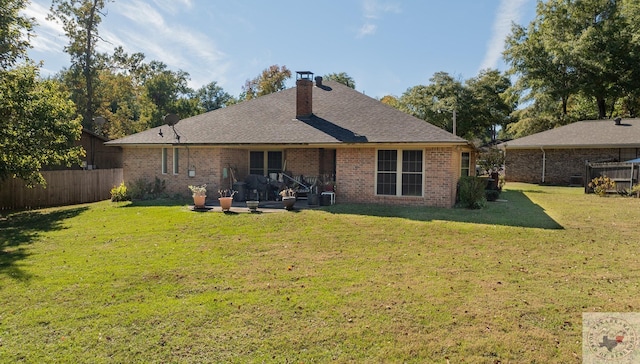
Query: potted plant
[[288, 198], [225, 199], [252, 205], [199, 194]]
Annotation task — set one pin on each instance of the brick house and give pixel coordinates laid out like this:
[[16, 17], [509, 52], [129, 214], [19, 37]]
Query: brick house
[[559, 156], [372, 152]]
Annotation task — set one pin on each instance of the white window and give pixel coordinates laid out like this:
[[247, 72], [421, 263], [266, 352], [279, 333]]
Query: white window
[[176, 158], [465, 164], [400, 172], [164, 160]]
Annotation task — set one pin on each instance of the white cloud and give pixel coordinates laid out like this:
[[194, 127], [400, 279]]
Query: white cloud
[[367, 29], [509, 11], [49, 34], [173, 6], [174, 44], [372, 10]]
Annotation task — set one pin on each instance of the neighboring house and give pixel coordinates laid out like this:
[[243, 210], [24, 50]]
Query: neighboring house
[[559, 156], [376, 154], [98, 156]]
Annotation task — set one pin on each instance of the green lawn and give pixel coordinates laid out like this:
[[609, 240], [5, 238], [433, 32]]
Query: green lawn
[[158, 283]]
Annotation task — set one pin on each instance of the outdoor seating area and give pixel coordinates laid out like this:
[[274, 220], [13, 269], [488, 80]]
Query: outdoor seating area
[[267, 188]]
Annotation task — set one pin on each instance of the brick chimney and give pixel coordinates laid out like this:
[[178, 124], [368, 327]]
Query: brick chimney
[[304, 94]]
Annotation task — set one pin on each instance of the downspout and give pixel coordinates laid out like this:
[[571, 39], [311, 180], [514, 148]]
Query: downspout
[[544, 162]]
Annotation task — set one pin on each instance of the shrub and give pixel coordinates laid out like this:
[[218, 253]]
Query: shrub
[[119, 193], [143, 190], [138, 189], [491, 195], [601, 185], [471, 192]]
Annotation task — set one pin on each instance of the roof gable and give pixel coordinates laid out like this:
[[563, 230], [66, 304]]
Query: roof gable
[[340, 115]]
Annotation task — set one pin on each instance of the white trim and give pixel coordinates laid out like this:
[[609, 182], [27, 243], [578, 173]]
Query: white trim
[[399, 173], [163, 162], [176, 161], [468, 163]]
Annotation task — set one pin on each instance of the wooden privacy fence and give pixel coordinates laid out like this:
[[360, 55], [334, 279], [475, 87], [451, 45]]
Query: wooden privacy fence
[[66, 187], [625, 174]]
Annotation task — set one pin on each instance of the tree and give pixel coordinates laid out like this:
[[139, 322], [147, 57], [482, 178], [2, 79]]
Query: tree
[[575, 47], [38, 125], [15, 30], [391, 101], [492, 103], [80, 20], [342, 78], [271, 80], [169, 92], [212, 97], [437, 102]]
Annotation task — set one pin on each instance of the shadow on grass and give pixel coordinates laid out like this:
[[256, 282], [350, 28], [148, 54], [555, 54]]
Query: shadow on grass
[[22, 228], [513, 208]]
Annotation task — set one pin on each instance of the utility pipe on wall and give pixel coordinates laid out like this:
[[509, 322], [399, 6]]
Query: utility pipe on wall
[[544, 162]]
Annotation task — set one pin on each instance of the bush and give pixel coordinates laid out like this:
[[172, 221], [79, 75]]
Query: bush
[[491, 195], [139, 188], [143, 190], [471, 192], [601, 185], [119, 193]]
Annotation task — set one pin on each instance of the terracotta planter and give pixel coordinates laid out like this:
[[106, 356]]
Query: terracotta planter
[[198, 200], [288, 202], [225, 203]]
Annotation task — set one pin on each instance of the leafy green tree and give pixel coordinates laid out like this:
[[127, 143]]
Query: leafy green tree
[[15, 29], [169, 91], [342, 78], [437, 102], [212, 97], [38, 125], [492, 103], [271, 80], [587, 47], [80, 20]]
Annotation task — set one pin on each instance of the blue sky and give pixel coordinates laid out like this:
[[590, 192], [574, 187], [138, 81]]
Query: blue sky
[[385, 46]]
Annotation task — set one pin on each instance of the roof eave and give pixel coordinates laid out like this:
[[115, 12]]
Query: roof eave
[[576, 146]]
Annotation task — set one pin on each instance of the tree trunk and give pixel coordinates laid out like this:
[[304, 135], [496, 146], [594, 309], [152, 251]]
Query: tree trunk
[[88, 64], [602, 107]]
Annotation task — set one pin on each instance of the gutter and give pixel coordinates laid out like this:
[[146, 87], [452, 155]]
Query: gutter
[[544, 162]]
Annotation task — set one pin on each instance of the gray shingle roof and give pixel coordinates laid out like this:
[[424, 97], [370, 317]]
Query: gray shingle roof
[[583, 134], [340, 115]]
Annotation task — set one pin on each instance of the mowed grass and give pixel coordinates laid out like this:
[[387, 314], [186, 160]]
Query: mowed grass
[[154, 283]]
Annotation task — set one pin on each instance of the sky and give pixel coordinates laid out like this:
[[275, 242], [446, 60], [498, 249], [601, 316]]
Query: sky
[[387, 47]]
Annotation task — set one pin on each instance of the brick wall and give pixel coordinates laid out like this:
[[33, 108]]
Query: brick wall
[[208, 163], [356, 178], [355, 171], [303, 161], [560, 164]]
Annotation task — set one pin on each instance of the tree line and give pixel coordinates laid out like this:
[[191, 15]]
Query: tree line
[[578, 59]]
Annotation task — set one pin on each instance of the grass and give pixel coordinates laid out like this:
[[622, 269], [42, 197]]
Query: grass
[[157, 283]]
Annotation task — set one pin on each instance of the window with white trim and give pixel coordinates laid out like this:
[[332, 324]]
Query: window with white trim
[[164, 160], [263, 163], [465, 164], [176, 159], [399, 172]]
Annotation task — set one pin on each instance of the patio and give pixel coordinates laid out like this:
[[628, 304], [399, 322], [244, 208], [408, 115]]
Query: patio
[[264, 207]]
